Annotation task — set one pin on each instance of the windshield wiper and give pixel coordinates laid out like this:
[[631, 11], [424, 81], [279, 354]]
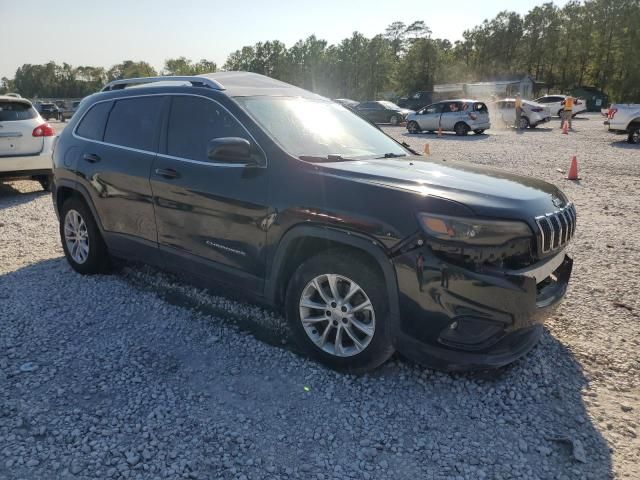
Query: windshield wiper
[[393, 155], [329, 158]]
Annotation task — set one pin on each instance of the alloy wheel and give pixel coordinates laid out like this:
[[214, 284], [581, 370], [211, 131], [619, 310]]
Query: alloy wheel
[[337, 315], [76, 236]]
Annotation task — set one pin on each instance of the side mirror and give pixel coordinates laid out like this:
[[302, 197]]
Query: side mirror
[[230, 150]]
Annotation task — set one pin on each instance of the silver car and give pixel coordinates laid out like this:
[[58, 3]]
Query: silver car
[[533, 114], [460, 116]]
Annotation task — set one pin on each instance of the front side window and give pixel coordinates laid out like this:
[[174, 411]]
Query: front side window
[[193, 122], [92, 124], [309, 127], [135, 122], [13, 111]]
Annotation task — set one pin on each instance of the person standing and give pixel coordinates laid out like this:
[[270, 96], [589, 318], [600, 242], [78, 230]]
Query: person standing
[[567, 111], [518, 105]]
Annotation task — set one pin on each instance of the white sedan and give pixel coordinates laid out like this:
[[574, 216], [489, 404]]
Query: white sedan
[[26, 142], [554, 102], [533, 114]]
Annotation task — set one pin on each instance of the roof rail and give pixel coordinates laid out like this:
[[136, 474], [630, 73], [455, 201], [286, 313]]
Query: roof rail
[[195, 81]]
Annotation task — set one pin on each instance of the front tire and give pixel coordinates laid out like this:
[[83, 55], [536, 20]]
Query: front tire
[[82, 242], [413, 127], [634, 135], [338, 309], [461, 129]]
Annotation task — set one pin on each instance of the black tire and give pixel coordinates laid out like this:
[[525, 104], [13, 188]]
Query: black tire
[[356, 268], [394, 120], [413, 127], [461, 129], [560, 113], [97, 260], [45, 182], [634, 135], [524, 123], [479, 131]]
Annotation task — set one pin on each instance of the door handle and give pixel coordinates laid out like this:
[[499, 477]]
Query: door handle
[[167, 173], [91, 157]]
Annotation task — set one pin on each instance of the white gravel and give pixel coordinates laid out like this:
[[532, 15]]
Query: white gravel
[[135, 375]]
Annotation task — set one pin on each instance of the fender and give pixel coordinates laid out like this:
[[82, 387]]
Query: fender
[[83, 192], [352, 239]]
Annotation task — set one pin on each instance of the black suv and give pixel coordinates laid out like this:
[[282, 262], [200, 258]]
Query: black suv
[[240, 180]]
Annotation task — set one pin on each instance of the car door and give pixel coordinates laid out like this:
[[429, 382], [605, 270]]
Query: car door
[[115, 164], [429, 117], [452, 113], [208, 213]]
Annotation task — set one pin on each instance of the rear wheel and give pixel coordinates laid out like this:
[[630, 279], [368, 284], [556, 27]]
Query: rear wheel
[[634, 135], [461, 128], [524, 123], [82, 243], [413, 127], [338, 310], [394, 120]]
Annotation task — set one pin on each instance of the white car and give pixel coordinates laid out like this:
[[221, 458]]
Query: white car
[[533, 114], [554, 102], [26, 142], [624, 118]]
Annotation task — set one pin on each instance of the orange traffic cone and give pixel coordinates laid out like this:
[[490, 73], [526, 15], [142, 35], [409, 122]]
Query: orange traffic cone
[[427, 151], [565, 127], [440, 131], [573, 169]]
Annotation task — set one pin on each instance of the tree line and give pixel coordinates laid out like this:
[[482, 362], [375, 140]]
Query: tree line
[[583, 43]]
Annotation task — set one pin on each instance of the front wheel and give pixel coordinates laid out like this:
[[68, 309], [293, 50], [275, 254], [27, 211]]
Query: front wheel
[[82, 243], [338, 309], [461, 128], [394, 120], [634, 135], [413, 127]]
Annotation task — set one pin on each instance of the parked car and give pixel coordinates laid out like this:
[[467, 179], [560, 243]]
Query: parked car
[[556, 105], [48, 110], [280, 194], [416, 100], [460, 116], [26, 141], [533, 114], [66, 113], [347, 102], [383, 112], [624, 118]]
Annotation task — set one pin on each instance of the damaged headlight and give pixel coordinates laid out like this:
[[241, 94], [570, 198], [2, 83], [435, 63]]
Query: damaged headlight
[[472, 231]]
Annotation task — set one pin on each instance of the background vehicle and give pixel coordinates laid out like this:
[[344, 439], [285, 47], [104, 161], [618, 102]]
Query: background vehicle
[[554, 103], [624, 118], [26, 141], [461, 116], [347, 102], [533, 114], [416, 100], [48, 110], [67, 112], [383, 112], [275, 191]]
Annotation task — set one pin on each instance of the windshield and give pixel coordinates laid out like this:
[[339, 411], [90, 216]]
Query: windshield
[[317, 128]]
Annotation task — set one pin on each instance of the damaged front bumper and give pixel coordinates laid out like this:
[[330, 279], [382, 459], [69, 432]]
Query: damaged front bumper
[[454, 318]]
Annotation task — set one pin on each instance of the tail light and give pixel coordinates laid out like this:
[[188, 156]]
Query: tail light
[[472, 116], [44, 130], [612, 112], [537, 109]]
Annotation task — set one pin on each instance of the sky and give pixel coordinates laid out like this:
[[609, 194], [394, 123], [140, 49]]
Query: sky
[[88, 32]]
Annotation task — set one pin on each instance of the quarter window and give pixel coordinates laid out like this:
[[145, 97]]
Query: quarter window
[[92, 124], [193, 122], [135, 122]]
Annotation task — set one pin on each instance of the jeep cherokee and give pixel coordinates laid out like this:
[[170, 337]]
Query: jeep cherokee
[[244, 181]]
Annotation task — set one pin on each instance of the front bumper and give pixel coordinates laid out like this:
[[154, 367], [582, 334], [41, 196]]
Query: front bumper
[[452, 318]]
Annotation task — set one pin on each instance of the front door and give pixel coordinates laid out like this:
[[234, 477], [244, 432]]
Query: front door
[[209, 214], [429, 117]]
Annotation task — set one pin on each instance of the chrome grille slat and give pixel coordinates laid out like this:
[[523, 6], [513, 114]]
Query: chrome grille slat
[[556, 228]]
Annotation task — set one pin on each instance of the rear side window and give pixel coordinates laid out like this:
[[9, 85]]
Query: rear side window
[[480, 107], [193, 122], [92, 124], [134, 123], [12, 111]]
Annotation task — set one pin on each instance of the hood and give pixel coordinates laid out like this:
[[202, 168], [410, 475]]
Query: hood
[[487, 192]]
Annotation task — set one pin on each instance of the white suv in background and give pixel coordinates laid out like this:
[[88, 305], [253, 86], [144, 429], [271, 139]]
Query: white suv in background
[[554, 103], [533, 114], [26, 142]]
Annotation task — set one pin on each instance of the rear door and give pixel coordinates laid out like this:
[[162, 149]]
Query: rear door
[[372, 111], [116, 166], [18, 119], [452, 113], [429, 117]]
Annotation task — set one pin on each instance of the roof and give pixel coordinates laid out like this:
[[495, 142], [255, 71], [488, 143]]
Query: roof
[[245, 84], [11, 98]]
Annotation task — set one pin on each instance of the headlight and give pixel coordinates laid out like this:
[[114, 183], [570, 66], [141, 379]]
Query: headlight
[[472, 231]]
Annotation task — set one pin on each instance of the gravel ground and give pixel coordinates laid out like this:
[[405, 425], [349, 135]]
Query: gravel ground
[[136, 375]]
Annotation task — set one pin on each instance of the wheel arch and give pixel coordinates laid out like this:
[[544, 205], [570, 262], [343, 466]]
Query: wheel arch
[[633, 124], [302, 242], [65, 189]]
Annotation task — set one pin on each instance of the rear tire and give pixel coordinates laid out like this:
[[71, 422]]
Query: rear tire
[[335, 311], [524, 123], [634, 135], [413, 127], [461, 129], [82, 242], [394, 120]]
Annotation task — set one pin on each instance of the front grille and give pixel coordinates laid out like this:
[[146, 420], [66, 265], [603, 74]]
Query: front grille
[[556, 228]]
